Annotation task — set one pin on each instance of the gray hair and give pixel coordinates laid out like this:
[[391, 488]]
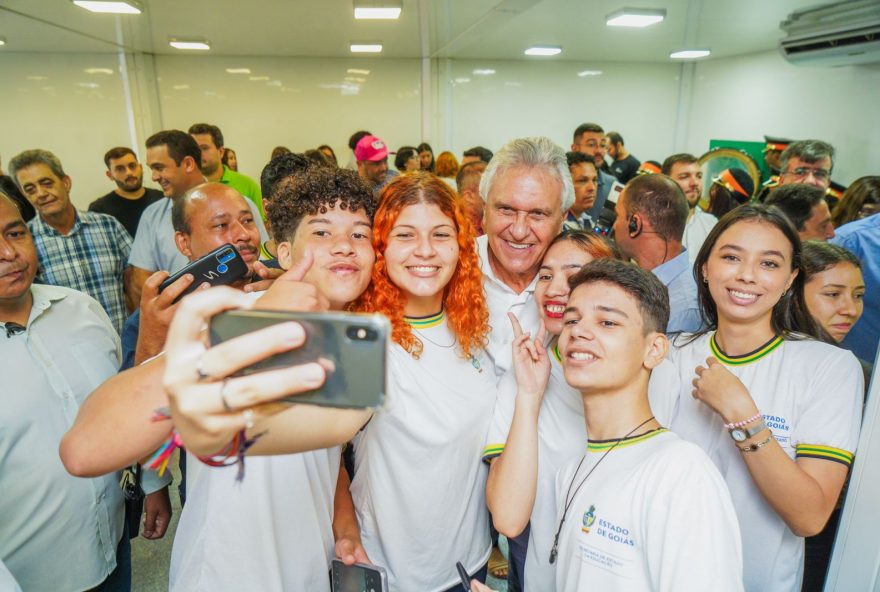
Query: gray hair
[[534, 153], [810, 151], [29, 158]]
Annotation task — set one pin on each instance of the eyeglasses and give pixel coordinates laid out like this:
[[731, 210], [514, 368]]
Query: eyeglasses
[[804, 172]]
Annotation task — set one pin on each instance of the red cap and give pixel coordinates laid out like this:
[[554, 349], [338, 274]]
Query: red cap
[[370, 148]]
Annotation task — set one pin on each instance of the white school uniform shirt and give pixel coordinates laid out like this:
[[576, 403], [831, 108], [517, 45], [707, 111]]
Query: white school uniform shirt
[[270, 532], [501, 299], [653, 516], [419, 486], [562, 432], [810, 394], [696, 230]]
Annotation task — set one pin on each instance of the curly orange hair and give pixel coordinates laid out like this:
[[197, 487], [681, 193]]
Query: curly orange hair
[[447, 165], [463, 300]]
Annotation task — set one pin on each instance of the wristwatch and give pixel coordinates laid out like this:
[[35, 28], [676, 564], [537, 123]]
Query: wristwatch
[[742, 434]]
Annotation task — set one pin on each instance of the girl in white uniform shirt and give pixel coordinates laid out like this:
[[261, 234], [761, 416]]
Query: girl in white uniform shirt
[[419, 485], [777, 411]]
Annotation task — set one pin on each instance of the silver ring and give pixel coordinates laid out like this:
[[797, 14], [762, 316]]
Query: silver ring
[[223, 395], [248, 416], [203, 376]]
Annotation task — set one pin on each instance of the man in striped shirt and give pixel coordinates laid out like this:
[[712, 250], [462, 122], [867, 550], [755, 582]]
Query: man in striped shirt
[[84, 251]]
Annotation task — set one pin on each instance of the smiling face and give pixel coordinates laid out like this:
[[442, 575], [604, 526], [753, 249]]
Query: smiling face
[[748, 270], [18, 256], [421, 256], [174, 179], [340, 242], [604, 345], [563, 260], [49, 194], [835, 298], [523, 213]]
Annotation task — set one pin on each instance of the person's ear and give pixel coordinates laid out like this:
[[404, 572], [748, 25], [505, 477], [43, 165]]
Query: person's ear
[[109, 176], [67, 182], [285, 254], [658, 347], [794, 274], [182, 240]]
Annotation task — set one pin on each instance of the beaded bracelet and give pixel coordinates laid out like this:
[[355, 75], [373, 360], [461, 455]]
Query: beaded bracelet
[[740, 424]]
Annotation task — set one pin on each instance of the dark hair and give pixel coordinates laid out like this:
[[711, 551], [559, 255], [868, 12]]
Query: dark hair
[[207, 128], [278, 169], [796, 201], [318, 157], [661, 201], [356, 137], [29, 158], [179, 145], [721, 200], [484, 154], [587, 127], [810, 151], [650, 294], [819, 256], [468, 173], [864, 190], [332, 156], [425, 147], [225, 158], [117, 152], [574, 158], [595, 244], [666, 167], [404, 153], [279, 151], [615, 138], [314, 190], [790, 315]]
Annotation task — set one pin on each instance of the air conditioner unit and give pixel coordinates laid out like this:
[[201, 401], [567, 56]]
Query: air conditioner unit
[[838, 34]]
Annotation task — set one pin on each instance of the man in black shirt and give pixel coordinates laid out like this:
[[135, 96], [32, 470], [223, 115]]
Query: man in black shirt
[[625, 165], [128, 201]]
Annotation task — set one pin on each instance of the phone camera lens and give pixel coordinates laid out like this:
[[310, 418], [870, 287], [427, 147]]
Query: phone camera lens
[[361, 334], [222, 268]]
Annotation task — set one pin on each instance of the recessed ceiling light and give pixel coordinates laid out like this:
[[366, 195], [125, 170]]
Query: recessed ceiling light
[[180, 87], [689, 54], [355, 79], [2, 41], [111, 6], [584, 73], [88, 85], [358, 71], [198, 44], [238, 70], [98, 71], [258, 78], [635, 17], [35, 77], [483, 72], [376, 13], [462, 80], [543, 50], [366, 47]]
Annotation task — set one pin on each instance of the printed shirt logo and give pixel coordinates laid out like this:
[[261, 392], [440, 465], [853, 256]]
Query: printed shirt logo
[[589, 519]]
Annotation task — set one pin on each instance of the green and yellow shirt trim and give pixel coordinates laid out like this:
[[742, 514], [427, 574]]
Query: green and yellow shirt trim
[[744, 359], [825, 453], [491, 451], [426, 322], [605, 445]]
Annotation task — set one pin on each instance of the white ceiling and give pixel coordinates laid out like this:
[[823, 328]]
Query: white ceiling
[[463, 29]]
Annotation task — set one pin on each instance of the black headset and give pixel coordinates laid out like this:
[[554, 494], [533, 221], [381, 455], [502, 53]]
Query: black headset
[[635, 226]]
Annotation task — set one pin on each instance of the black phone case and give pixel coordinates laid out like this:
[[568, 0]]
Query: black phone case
[[355, 345], [220, 267]]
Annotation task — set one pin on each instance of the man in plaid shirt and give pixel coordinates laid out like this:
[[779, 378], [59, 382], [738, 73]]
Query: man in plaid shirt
[[84, 251]]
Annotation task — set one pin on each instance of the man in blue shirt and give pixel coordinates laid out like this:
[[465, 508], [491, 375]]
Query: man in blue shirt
[[651, 215], [862, 237]]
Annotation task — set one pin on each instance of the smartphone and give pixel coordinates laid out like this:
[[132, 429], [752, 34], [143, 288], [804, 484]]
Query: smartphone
[[352, 348], [463, 574], [357, 578], [220, 267]]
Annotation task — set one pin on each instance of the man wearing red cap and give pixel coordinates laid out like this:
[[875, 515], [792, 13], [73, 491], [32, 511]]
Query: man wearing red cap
[[371, 154]]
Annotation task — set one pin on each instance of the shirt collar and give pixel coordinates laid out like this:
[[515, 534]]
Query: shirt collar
[[488, 272], [46, 229], [669, 270], [43, 295]]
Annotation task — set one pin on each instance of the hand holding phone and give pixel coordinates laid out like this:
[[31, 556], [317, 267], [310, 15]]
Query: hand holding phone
[[221, 267], [357, 578]]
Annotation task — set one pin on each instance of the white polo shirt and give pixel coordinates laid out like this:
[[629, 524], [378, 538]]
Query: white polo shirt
[[696, 230], [419, 486], [561, 435], [810, 394], [653, 515], [501, 299]]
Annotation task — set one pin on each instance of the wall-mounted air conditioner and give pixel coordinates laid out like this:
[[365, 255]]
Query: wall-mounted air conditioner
[[839, 34]]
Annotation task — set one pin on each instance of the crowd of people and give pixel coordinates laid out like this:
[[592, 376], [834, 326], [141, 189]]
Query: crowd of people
[[642, 380]]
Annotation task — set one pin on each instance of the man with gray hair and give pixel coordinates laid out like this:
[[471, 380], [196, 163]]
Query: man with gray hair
[[85, 251], [806, 161]]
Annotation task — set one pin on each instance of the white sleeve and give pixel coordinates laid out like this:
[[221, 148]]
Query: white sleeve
[[7, 582], [502, 417], [693, 540], [830, 413]]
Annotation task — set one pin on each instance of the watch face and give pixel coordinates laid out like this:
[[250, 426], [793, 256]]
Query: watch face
[[738, 434]]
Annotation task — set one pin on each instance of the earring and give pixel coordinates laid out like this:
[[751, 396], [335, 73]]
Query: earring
[[705, 280]]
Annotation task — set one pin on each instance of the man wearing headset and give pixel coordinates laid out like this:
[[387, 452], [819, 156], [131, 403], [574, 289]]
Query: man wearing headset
[[651, 215]]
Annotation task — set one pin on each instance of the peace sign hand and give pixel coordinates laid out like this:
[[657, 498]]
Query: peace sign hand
[[531, 363]]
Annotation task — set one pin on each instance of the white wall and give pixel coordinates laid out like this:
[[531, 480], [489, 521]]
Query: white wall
[[745, 97]]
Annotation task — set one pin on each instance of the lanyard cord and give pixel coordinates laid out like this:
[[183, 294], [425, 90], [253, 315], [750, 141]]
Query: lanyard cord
[[568, 501]]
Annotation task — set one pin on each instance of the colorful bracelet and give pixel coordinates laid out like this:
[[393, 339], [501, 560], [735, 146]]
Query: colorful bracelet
[[233, 453], [739, 424]]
